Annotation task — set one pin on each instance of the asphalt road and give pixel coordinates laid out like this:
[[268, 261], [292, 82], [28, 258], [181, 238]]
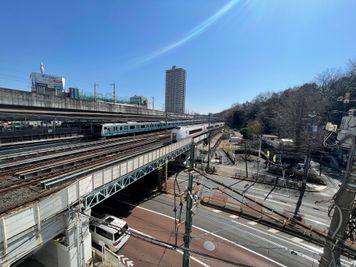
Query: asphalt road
[[159, 226], [278, 246]]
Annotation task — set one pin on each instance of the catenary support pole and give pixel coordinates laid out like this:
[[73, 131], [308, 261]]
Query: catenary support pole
[[94, 93], [114, 92], [209, 143]]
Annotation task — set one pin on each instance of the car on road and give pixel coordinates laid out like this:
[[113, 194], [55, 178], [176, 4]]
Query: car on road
[[110, 231]]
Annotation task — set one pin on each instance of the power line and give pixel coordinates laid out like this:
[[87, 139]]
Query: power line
[[164, 244], [258, 203]]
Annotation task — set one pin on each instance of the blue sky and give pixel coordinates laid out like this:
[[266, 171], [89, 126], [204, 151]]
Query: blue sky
[[232, 50]]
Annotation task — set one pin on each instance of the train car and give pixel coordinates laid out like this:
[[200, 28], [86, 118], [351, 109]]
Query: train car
[[114, 129], [117, 129], [182, 132]]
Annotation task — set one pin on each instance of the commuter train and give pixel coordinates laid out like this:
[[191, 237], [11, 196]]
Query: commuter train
[[115, 129], [182, 132]]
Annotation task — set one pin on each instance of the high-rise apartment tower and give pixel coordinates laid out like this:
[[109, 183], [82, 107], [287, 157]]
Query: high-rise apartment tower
[[175, 90]]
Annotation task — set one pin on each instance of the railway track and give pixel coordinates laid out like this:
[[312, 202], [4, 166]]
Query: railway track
[[25, 147], [19, 153], [34, 175], [18, 166], [19, 161]]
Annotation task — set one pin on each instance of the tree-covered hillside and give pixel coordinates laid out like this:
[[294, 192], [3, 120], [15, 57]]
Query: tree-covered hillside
[[286, 113]]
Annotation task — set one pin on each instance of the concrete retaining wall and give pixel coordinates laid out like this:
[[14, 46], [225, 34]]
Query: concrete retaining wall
[[29, 99]]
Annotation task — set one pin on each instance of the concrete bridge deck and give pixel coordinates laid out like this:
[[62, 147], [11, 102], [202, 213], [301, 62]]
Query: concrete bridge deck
[[26, 228]]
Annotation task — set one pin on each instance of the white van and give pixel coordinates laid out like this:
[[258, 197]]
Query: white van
[[111, 231]]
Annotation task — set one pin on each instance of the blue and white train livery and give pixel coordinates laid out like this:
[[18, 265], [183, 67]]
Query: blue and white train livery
[[114, 129]]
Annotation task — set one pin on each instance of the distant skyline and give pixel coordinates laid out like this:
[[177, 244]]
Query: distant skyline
[[231, 50]]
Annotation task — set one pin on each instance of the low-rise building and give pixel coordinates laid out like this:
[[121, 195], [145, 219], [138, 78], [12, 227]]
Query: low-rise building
[[139, 100]]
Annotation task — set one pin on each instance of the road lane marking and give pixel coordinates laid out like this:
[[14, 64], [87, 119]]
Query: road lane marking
[[315, 221], [234, 216], [271, 200], [267, 191], [277, 244], [213, 234], [140, 233], [193, 258], [216, 211], [314, 248], [178, 250], [273, 231], [275, 236], [296, 239], [326, 194], [281, 201], [252, 223], [306, 217], [311, 249]]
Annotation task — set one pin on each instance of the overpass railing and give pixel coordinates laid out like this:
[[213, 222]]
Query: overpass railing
[[25, 229]]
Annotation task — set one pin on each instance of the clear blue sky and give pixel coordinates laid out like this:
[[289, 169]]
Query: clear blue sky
[[232, 50]]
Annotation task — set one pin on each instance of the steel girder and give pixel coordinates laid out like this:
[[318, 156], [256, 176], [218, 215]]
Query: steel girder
[[120, 183]]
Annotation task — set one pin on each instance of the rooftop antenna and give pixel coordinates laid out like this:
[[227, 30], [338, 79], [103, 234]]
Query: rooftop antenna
[[42, 68]]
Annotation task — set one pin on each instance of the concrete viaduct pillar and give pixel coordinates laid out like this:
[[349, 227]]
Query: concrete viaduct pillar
[[71, 249]]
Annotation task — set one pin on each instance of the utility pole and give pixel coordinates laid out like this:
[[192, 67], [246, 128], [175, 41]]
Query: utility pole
[[306, 168], [114, 92], [321, 159], [259, 156], [246, 168], [153, 102], [343, 203], [188, 216], [95, 85], [209, 141], [188, 222], [166, 121]]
